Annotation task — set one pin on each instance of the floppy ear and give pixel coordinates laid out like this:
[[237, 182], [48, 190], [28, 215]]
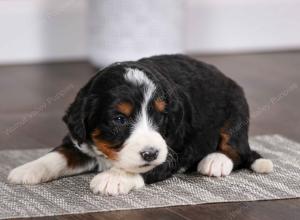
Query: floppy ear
[[75, 118]]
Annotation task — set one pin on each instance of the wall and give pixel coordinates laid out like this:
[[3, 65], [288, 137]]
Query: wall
[[42, 30], [225, 26], [49, 30]]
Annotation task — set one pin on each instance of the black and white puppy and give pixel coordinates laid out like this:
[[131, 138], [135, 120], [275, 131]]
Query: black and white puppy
[[139, 122]]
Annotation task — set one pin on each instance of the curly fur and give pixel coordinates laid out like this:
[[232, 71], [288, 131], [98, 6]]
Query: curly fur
[[194, 116]]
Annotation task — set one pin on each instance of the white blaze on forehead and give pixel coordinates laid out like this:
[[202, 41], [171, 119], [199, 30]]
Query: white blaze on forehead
[[144, 133], [139, 78]]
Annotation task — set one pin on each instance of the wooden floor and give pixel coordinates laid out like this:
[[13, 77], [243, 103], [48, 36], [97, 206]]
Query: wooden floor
[[33, 99]]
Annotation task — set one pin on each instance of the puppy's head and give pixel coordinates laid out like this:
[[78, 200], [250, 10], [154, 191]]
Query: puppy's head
[[122, 113]]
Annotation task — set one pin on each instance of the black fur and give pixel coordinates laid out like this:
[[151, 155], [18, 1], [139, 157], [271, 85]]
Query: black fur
[[201, 102]]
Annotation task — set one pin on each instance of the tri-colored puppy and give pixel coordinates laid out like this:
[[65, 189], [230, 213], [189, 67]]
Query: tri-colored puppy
[[139, 122]]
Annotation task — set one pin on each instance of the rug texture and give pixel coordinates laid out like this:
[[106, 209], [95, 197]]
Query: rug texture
[[72, 194]]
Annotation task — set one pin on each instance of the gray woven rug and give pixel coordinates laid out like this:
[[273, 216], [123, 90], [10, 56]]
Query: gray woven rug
[[72, 194]]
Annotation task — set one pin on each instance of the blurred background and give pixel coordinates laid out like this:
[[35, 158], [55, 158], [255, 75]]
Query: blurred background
[[104, 31], [50, 48]]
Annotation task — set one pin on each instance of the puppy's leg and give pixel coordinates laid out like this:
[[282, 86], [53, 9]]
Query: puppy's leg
[[161, 172], [115, 182], [64, 160], [233, 152], [215, 164]]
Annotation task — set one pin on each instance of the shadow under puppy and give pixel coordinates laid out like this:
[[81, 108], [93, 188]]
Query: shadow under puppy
[[139, 122]]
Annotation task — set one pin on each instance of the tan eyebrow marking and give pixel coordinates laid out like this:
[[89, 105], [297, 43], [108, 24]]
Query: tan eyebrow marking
[[125, 108], [159, 105]]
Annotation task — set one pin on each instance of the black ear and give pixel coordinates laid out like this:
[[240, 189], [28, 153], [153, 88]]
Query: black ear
[[75, 118]]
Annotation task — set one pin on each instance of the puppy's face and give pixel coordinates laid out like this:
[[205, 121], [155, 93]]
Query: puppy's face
[[127, 120]]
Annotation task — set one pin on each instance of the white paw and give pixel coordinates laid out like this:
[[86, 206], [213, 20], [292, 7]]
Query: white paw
[[215, 164], [116, 182], [262, 165], [29, 173]]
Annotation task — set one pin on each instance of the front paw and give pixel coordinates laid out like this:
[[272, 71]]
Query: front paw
[[115, 182], [29, 173], [215, 164]]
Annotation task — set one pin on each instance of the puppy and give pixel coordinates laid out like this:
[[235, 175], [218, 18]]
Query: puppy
[[140, 122]]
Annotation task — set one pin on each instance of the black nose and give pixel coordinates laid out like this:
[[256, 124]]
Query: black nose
[[149, 154]]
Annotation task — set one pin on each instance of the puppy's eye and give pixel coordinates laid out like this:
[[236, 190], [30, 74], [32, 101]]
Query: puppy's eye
[[120, 120]]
